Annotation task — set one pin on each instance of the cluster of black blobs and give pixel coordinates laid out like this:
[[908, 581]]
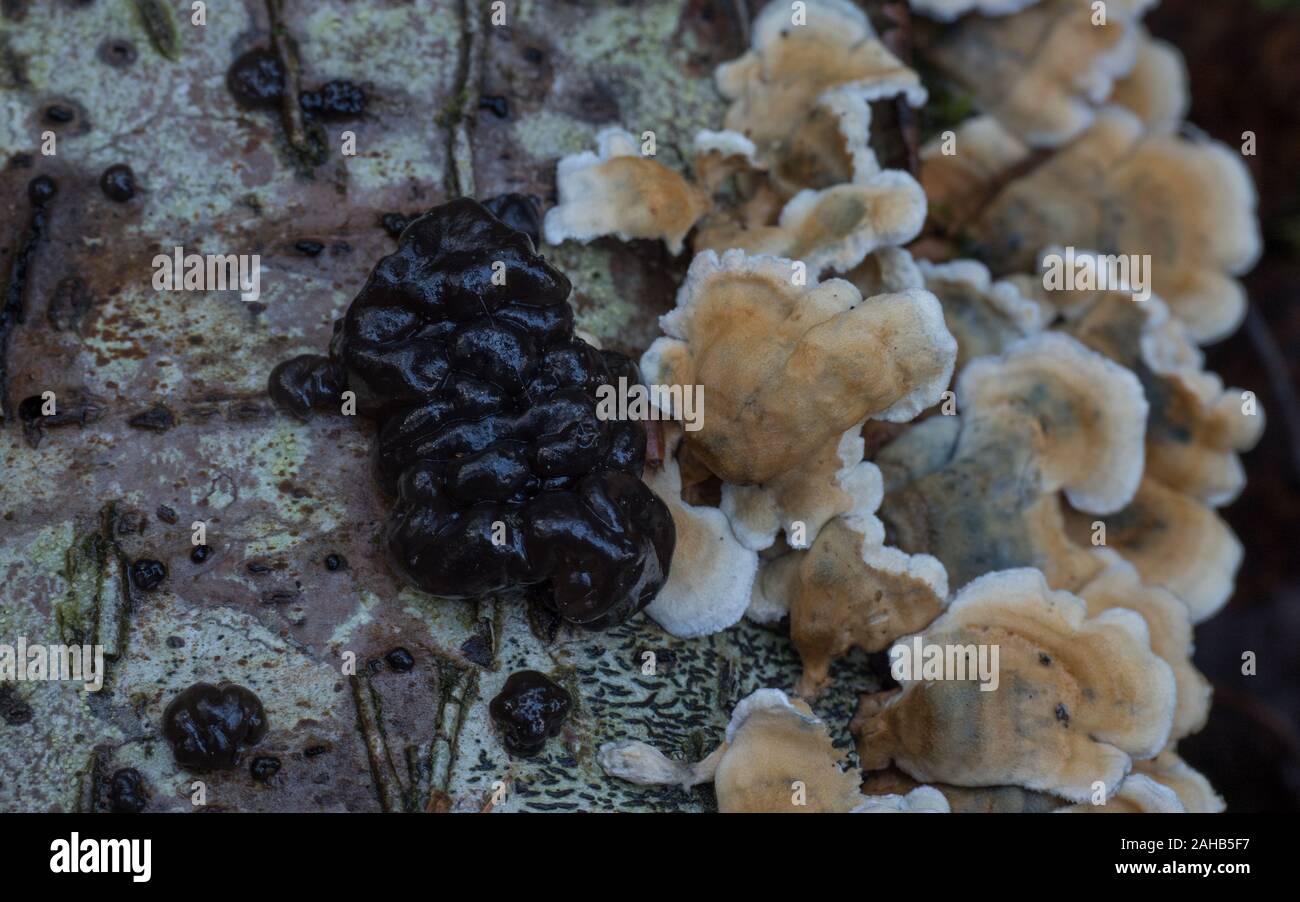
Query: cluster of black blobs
[[209, 727], [461, 346]]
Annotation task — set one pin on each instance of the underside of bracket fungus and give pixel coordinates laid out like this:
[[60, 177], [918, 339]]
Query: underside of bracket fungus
[[617, 191], [951, 10], [801, 92], [1189, 204], [1191, 787], [786, 368], [1041, 71], [1137, 795], [1079, 698], [777, 757], [1047, 416]]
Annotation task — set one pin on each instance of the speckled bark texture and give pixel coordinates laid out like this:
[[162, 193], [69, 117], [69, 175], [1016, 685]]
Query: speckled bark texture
[[80, 501]]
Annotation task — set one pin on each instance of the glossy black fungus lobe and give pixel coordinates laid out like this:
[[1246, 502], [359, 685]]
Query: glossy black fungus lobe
[[209, 726], [519, 211], [148, 574], [200, 553], [126, 792], [334, 100], [264, 767], [400, 659], [256, 80], [335, 562], [461, 345], [529, 710], [118, 183]]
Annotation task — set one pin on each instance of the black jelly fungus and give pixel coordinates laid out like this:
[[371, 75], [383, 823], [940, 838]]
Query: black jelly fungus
[[400, 659], [521, 212], [166, 514], [335, 562], [147, 574], [157, 418], [13, 710], [200, 553], [394, 223], [118, 183], [264, 767], [505, 476], [209, 726], [41, 190], [58, 114], [117, 52], [314, 751], [534, 55], [495, 104], [308, 248], [334, 100], [304, 383], [256, 79], [529, 709], [126, 792]]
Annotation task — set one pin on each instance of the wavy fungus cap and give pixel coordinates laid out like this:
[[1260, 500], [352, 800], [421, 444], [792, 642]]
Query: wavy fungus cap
[[1078, 697], [1041, 72], [801, 92], [1046, 416], [617, 191], [786, 368], [777, 757], [1187, 204]]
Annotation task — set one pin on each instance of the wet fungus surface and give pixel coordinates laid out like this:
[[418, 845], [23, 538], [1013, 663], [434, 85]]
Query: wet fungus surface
[[209, 727], [529, 710], [461, 346]]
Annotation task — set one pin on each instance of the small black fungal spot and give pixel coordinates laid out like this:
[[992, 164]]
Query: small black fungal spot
[[308, 248], [1063, 714], [157, 418], [400, 659], [1045, 659], [126, 793], [118, 183], [117, 52], [335, 562], [148, 574], [58, 114], [200, 553], [166, 514], [496, 104], [264, 767], [395, 223]]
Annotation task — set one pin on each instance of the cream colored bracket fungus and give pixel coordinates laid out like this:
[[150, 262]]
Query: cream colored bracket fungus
[[777, 757], [1078, 699], [1137, 795], [708, 588], [834, 228], [1045, 417], [786, 367], [800, 94], [952, 10], [1188, 204], [618, 191], [1170, 626], [1196, 427], [1043, 71], [986, 316]]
